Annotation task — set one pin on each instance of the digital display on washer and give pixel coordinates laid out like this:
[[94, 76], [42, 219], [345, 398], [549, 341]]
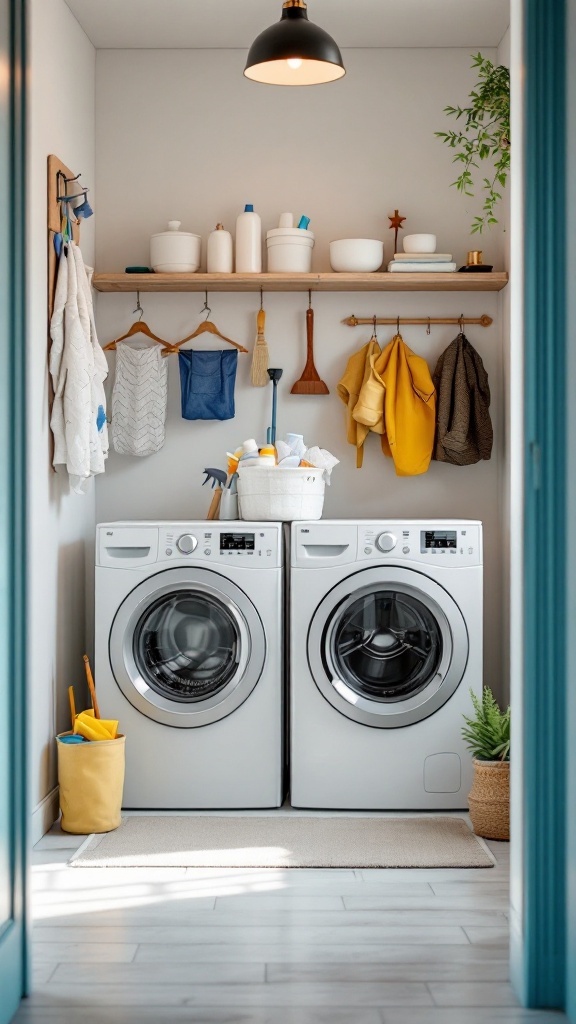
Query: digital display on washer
[[438, 539], [237, 541]]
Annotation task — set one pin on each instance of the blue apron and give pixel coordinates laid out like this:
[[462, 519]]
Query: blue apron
[[207, 384]]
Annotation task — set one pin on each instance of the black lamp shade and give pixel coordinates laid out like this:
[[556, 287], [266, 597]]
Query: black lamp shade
[[294, 52]]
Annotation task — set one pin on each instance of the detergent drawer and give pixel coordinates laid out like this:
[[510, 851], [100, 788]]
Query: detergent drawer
[[126, 546], [321, 544]]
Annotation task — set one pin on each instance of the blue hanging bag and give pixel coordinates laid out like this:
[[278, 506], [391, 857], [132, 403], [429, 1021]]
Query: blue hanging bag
[[207, 382]]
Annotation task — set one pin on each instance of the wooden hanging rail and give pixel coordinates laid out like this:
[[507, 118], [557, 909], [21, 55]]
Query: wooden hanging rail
[[425, 321]]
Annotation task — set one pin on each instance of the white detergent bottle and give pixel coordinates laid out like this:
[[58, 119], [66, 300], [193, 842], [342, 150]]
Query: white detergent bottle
[[248, 242], [219, 251]]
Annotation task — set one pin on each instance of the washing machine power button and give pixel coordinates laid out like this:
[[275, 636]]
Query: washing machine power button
[[186, 543], [386, 542]]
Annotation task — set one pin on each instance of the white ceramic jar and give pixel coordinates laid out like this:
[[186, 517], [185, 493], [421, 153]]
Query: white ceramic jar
[[219, 251], [174, 251], [289, 250]]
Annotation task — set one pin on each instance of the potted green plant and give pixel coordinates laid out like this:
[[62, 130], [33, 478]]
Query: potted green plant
[[487, 736], [484, 135]]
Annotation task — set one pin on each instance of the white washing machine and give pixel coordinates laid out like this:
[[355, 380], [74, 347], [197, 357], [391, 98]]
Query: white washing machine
[[385, 644], [189, 659]]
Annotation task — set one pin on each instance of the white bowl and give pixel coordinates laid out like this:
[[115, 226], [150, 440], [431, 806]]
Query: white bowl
[[419, 243], [356, 255]]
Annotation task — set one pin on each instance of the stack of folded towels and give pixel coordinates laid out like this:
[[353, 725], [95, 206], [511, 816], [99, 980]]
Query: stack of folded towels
[[422, 263]]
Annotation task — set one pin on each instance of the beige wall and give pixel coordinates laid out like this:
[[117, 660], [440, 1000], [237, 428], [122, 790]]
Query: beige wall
[[180, 134], [61, 112]]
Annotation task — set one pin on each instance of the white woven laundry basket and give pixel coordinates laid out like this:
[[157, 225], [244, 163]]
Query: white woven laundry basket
[[280, 494]]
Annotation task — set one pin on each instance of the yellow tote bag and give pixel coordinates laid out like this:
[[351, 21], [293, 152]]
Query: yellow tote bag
[[91, 780]]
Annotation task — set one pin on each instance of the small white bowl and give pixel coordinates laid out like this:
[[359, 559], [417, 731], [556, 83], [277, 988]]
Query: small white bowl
[[356, 255], [419, 243]]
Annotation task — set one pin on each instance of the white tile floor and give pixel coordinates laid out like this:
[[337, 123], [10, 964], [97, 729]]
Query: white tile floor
[[231, 946]]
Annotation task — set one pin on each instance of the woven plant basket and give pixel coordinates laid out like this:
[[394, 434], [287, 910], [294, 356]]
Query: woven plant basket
[[489, 799]]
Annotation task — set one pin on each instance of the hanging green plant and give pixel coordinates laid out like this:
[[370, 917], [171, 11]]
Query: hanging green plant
[[484, 136]]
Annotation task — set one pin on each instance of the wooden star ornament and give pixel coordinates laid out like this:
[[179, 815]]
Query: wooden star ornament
[[396, 223]]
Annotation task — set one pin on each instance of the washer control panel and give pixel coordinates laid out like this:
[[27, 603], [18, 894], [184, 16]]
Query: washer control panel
[[432, 542], [233, 543], [133, 545]]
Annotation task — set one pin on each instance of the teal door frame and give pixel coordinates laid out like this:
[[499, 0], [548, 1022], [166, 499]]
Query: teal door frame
[[541, 978], [13, 727]]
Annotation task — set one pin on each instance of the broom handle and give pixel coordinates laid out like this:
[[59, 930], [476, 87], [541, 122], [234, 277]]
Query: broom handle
[[273, 428], [260, 321], [91, 686]]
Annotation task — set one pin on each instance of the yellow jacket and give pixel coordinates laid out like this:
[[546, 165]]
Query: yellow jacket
[[398, 401], [358, 371]]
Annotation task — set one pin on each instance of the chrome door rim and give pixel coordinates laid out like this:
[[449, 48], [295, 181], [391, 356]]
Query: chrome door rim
[[252, 648], [448, 676]]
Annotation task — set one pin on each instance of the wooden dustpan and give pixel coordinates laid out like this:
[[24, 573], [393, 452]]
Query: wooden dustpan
[[310, 383]]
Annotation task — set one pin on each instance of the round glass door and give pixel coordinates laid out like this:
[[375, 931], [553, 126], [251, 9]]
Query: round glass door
[[187, 647], [388, 647]]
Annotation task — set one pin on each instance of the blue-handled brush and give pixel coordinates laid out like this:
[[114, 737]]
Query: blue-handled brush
[[274, 375]]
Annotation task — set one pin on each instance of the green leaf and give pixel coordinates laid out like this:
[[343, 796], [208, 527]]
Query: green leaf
[[487, 734], [485, 135]]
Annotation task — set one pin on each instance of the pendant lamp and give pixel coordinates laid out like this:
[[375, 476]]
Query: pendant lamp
[[294, 51]]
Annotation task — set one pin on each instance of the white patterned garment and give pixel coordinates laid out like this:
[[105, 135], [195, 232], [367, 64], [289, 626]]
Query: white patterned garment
[[78, 368], [139, 400]]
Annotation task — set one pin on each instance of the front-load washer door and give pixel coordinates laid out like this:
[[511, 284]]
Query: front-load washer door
[[387, 647], [187, 647]]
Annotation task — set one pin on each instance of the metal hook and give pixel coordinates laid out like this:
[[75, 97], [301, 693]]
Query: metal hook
[[138, 307], [397, 325], [206, 307], [374, 326], [261, 300], [461, 323], [428, 328], [309, 298]]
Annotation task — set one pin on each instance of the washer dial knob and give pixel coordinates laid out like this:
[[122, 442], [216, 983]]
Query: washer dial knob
[[386, 542], [186, 543]]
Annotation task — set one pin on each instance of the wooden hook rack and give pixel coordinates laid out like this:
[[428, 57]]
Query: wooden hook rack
[[425, 321]]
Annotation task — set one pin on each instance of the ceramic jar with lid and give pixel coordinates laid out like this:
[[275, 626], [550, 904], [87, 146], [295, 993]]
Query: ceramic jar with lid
[[174, 251]]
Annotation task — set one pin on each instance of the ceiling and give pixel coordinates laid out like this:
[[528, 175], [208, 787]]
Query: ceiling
[[191, 24]]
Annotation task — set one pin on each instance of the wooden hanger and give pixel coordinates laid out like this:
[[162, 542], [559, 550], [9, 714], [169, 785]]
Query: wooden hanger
[[140, 327], [205, 326]]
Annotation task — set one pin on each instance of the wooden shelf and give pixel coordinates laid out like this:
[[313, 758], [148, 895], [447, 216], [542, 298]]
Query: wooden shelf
[[492, 282]]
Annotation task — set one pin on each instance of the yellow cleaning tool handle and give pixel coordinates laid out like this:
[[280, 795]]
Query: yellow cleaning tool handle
[[91, 686], [260, 321], [72, 704]]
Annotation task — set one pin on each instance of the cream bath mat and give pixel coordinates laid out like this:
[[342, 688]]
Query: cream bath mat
[[286, 841]]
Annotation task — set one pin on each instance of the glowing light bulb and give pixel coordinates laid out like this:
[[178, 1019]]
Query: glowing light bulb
[[294, 63]]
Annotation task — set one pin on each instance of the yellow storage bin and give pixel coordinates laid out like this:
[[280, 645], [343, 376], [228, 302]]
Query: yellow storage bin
[[91, 780]]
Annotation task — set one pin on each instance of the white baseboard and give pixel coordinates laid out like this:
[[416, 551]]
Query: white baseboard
[[44, 815]]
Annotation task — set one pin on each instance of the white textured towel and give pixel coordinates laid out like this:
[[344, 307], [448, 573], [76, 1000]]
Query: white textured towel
[[139, 400], [421, 268], [78, 367]]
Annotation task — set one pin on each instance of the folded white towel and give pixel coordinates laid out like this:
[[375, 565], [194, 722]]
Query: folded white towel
[[421, 268], [423, 257]]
